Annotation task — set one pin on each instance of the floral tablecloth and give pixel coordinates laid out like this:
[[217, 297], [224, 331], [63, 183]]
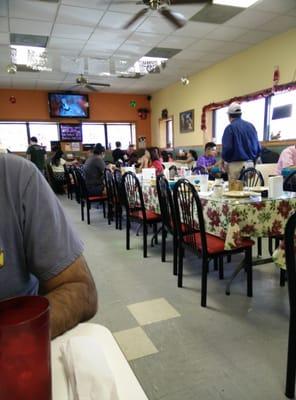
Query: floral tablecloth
[[232, 219]]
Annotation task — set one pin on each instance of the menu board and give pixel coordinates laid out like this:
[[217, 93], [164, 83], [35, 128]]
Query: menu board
[[71, 132]]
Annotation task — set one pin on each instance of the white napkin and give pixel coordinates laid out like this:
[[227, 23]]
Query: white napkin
[[275, 186], [88, 373]]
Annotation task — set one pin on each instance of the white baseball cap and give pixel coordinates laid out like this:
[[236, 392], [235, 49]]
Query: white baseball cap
[[234, 108]]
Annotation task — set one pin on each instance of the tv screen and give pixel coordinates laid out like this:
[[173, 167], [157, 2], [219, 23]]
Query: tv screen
[[71, 132], [68, 105]]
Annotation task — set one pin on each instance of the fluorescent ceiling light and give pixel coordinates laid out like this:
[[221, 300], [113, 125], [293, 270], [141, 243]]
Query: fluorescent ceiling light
[[236, 3], [33, 57]]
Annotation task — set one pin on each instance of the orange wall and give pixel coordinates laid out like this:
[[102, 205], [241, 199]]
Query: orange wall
[[31, 105]]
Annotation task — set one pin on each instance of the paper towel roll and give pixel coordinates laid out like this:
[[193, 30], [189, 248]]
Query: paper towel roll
[[275, 186]]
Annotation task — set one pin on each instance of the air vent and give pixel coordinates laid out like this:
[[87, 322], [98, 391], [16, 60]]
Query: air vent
[[135, 76], [25, 68], [28, 40], [162, 52], [216, 14]]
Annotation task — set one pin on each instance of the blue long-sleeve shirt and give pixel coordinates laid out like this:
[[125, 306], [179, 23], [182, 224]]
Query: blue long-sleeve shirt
[[240, 141]]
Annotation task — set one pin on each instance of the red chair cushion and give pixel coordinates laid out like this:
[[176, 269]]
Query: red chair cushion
[[150, 215], [215, 244], [97, 198]]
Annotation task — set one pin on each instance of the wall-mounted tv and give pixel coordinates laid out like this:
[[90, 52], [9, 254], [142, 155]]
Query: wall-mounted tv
[[68, 105], [71, 132]]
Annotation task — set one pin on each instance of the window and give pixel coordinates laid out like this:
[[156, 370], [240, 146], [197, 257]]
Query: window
[[283, 116], [124, 133], [13, 136], [45, 133], [169, 133], [93, 133], [252, 111]]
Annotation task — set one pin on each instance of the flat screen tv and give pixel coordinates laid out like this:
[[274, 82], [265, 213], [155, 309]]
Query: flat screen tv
[[70, 132], [68, 105]]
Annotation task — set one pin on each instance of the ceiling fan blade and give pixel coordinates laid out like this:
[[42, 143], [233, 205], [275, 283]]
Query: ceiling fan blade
[[99, 84], [178, 2], [90, 88], [135, 18], [177, 22]]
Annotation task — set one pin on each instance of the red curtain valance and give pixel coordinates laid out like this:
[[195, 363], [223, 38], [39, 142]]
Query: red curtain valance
[[247, 97]]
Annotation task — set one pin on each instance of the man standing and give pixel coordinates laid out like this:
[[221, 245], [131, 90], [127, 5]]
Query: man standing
[[118, 154], [36, 154], [240, 145]]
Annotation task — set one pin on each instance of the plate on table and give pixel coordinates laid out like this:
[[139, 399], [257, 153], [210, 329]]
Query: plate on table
[[258, 188], [238, 193]]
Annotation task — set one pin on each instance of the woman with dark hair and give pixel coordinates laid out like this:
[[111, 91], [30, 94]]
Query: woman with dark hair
[[57, 164], [94, 168], [191, 158], [151, 160]]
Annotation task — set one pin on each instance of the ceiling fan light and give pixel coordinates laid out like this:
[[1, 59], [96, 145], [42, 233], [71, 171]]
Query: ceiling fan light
[[235, 3]]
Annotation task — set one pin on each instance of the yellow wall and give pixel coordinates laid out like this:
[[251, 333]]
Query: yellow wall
[[246, 72]]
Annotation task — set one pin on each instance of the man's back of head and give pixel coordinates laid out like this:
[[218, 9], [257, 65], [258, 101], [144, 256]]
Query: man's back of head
[[234, 110], [34, 140]]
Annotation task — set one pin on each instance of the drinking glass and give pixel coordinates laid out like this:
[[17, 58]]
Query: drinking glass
[[203, 182], [25, 349]]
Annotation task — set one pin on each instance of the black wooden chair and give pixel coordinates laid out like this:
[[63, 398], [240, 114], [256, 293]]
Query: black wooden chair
[[251, 177], [168, 218], [135, 209], [69, 181], [192, 234], [290, 182], [111, 194], [119, 198], [87, 199], [291, 272]]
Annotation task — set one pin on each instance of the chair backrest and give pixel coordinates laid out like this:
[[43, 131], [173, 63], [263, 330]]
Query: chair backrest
[[166, 203], [290, 261], [132, 194], [110, 186], [199, 170], [81, 183], [118, 186], [290, 182], [189, 215], [251, 177]]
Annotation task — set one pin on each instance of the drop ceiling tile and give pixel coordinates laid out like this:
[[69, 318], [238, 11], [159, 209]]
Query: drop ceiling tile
[[4, 24], [24, 84], [4, 8], [116, 20], [101, 5], [4, 38], [147, 39], [125, 7], [250, 19], [225, 33], [232, 47], [213, 57], [154, 25], [177, 42], [106, 45], [279, 24], [189, 54], [95, 53], [108, 35], [72, 32], [205, 45], [277, 6], [47, 85], [63, 43], [52, 76], [39, 10], [187, 10], [30, 27], [254, 37], [196, 29], [79, 16], [134, 50]]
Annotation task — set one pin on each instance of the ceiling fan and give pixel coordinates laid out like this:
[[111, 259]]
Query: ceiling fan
[[82, 82], [161, 6]]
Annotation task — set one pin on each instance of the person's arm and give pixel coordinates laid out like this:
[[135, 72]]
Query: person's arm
[[72, 296]]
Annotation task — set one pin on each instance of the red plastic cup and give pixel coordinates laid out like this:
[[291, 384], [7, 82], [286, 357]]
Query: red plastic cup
[[25, 349]]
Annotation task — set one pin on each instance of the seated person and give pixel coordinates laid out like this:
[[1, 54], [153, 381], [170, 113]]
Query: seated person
[[268, 156], [94, 168], [208, 161], [118, 154], [57, 164], [191, 158], [287, 159], [151, 160], [42, 253]]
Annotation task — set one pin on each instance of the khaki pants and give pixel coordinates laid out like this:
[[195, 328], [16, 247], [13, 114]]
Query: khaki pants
[[234, 168]]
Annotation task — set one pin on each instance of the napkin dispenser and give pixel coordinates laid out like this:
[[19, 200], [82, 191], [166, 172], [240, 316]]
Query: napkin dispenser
[[275, 186]]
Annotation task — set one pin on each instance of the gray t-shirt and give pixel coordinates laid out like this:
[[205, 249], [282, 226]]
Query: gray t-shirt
[[94, 172], [37, 240]]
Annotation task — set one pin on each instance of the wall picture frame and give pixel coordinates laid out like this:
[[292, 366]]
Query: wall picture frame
[[187, 121]]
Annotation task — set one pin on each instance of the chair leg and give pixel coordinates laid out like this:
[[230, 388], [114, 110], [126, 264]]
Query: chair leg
[[215, 260], [104, 209], [248, 263], [259, 247], [128, 227], [180, 266], [109, 214], [175, 255], [282, 277], [144, 240], [229, 258], [120, 219], [88, 212], [204, 279], [163, 243], [221, 268], [82, 209], [291, 362]]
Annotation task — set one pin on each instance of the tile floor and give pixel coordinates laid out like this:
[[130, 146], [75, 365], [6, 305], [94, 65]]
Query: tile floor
[[234, 349]]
